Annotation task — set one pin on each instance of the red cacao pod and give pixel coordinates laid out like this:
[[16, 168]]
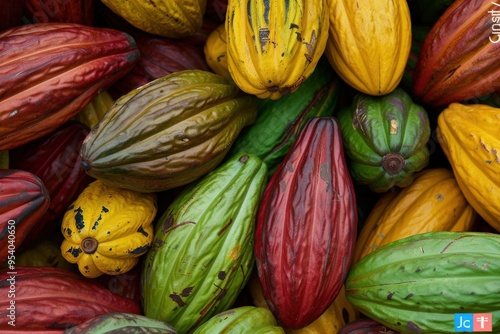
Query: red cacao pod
[[306, 226], [51, 71], [67, 11], [55, 159], [160, 56], [52, 298], [126, 285], [23, 200], [459, 57]]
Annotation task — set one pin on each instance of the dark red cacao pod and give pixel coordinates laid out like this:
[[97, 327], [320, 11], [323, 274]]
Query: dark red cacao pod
[[23, 200], [55, 159], [458, 60], [11, 13], [160, 56], [66, 11], [127, 285], [54, 298], [50, 71], [365, 326], [306, 226]]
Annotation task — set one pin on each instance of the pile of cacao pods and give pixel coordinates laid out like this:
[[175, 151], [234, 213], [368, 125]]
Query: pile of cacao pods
[[229, 166]]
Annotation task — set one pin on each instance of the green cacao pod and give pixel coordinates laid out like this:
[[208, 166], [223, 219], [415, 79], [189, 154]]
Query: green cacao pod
[[417, 284], [244, 319], [385, 139], [168, 132], [120, 322], [202, 252], [279, 121]]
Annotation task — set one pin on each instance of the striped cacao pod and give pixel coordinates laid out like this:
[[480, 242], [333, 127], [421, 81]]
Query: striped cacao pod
[[458, 60], [273, 46], [169, 132], [306, 226], [50, 71], [202, 252]]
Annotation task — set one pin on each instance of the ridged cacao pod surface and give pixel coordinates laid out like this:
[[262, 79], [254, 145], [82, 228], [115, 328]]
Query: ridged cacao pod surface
[[306, 226], [244, 319], [417, 284], [202, 252], [468, 135], [120, 322], [23, 201], [50, 71], [369, 43], [51, 298], [64, 11], [459, 58], [385, 139], [169, 132], [106, 229], [279, 122], [433, 202], [273, 46], [173, 19], [55, 159]]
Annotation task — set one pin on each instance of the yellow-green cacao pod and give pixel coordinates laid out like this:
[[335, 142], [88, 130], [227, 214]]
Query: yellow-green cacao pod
[[168, 132], [273, 46]]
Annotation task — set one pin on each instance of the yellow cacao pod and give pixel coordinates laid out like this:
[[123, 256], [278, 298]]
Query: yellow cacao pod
[[469, 137], [216, 51], [168, 18], [273, 46], [106, 229], [433, 202], [369, 43]]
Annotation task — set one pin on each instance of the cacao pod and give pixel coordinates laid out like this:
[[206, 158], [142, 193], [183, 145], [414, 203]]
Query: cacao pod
[[54, 71], [459, 58], [306, 226], [385, 139], [468, 135], [107, 228], [273, 46], [433, 202], [417, 284], [61, 298], [168, 132], [215, 51], [23, 201], [369, 43], [202, 252], [11, 14]]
